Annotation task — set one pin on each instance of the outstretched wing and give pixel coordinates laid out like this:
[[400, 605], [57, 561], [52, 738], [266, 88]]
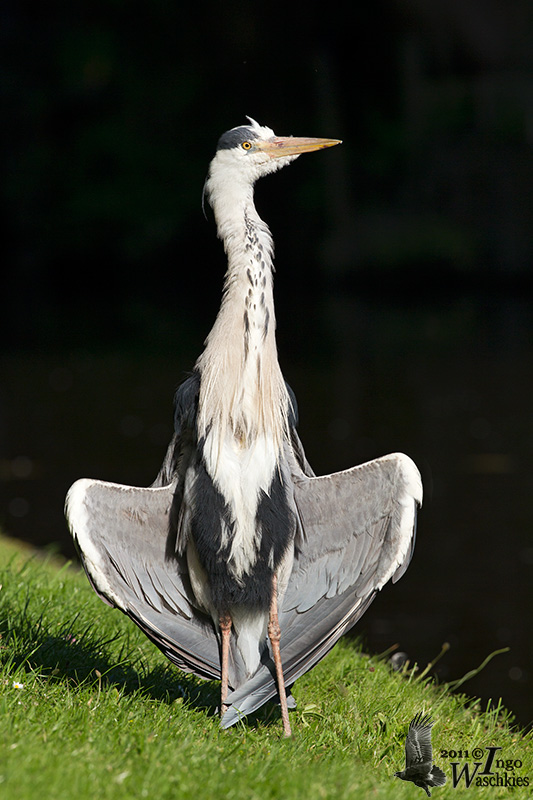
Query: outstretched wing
[[356, 531], [126, 539], [418, 750]]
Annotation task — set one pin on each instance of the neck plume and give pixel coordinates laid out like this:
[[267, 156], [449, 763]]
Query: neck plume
[[243, 396]]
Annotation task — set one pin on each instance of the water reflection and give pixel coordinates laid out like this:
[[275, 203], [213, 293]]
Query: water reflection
[[450, 385]]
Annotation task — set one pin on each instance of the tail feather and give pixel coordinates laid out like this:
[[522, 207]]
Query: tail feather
[[436, 777]]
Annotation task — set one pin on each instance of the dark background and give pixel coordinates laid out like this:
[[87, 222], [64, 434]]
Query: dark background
[[403, 282]]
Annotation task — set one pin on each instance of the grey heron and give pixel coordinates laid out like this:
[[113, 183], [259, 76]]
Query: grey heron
[[238, 562], [419, 766]]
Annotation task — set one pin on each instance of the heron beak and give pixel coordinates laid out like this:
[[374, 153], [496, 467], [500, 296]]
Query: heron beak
[[281, 146]]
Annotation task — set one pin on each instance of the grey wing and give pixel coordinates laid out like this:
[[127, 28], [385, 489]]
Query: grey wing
[[418, 749], [126, 539], [356, 531]]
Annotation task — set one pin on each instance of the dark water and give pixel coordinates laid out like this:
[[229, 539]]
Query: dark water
[[449, 383]]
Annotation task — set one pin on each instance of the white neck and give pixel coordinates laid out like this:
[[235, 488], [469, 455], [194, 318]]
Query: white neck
[[242, 390]]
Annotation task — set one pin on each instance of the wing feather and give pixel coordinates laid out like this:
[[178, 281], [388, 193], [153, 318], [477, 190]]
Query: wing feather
[[122, 534], [418, 748], [357, 528]]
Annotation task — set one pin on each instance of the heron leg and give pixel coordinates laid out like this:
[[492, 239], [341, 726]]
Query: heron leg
[[225, 630], [274, 634]]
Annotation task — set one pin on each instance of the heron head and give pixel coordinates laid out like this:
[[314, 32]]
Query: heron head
[[248, 152]]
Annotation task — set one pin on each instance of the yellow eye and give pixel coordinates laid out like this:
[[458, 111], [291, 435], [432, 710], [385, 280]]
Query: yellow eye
[[246, 145]]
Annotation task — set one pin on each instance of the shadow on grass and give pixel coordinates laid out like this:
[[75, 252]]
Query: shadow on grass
[[84, 660]]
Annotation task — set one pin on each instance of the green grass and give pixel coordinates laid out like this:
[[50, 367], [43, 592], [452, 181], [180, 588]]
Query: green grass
[[90, 709]]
